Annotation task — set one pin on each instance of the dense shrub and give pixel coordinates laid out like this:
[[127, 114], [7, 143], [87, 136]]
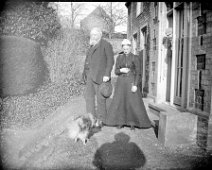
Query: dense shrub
[[65, 55], [26, 110], [33, 20]]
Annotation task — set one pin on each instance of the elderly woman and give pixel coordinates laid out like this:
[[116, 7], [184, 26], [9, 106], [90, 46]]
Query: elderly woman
[[127, 107]]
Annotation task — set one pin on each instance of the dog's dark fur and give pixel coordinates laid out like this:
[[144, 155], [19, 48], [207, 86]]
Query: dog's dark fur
[[86, 124]]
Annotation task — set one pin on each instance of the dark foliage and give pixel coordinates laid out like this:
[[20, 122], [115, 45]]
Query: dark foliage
[[34, 20]]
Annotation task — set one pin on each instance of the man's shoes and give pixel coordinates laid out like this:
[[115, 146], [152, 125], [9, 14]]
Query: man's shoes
[[119, 126], [93, 121], [99, 124], [132, 127]]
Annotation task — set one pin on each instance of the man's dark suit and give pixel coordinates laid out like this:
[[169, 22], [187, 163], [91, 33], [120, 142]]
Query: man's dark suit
[[99, 62]]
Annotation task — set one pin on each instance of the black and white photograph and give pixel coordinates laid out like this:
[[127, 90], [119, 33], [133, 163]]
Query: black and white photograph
[[105, 85]]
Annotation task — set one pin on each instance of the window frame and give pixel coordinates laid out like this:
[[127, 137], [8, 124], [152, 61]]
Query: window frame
[[139, 9], [155, 11], [154, 42], [201, 21], [135, 42]]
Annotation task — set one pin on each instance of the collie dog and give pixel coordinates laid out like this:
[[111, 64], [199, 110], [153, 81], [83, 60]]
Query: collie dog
[[79, 128]]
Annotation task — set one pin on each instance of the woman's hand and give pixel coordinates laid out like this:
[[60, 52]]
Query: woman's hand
[[134, 89], [106, 78], [124, 70]]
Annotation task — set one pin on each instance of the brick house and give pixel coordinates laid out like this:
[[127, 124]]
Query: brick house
[[174, 40], [98, 18]]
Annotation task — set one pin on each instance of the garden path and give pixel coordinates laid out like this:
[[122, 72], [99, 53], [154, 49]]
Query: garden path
[[47, 146]]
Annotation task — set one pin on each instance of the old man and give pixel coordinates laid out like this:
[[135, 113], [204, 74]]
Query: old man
[[98, 63]]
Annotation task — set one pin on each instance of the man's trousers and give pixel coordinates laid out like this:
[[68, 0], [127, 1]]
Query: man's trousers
[[95, 102]]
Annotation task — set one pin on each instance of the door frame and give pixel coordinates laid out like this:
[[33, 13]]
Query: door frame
[[135, 42], [144, 27], [180, 29], [187, 19]]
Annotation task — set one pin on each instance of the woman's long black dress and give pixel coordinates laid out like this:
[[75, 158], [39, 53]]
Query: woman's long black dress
[[127, 108]]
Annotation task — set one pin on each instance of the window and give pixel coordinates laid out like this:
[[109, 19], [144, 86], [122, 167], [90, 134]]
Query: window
[[178, 4], [201, 25], [199, 99], [201, 20], [155, 12], [153, 88], [200, 62], [142, 7], [153, 66], [153, 71], [154, 42], [135, 43], [139, 8], [142, 40], [169, 5]]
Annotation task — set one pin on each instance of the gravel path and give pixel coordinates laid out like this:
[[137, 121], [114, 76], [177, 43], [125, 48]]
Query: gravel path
[[46, 146]]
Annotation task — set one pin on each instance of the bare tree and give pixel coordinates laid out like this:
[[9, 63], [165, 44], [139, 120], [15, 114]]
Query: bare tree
[[76, 9], [116, 15], [68, 12]]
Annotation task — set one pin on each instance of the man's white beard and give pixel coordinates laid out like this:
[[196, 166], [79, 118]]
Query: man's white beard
[[94, 41]]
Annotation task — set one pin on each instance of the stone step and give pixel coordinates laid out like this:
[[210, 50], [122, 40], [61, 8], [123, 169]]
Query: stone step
[[176, 127], [155, 109]]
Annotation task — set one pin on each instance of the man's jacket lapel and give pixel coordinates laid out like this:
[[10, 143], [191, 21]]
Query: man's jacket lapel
[[93, 49]]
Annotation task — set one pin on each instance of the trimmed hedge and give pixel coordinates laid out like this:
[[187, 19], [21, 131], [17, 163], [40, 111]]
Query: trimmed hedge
[[65, 55], [22, 68]]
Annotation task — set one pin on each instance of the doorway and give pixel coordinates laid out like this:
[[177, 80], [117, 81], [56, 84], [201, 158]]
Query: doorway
[[143, 45], [135, 43], [179, 56], [169, 35]]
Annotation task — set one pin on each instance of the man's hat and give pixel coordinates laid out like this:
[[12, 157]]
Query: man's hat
[[106, 89]]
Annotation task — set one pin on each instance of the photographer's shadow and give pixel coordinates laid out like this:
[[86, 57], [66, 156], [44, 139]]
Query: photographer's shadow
[[119, 155]]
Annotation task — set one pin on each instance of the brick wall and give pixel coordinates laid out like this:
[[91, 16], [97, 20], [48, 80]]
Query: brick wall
[[153, 32], [201, 45], [135, 24], [139, 21]]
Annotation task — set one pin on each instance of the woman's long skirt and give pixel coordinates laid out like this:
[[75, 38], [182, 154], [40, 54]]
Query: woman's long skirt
[[127, 108]]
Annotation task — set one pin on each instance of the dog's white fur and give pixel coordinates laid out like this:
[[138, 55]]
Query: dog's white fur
[[94, 121], [79, 128]]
